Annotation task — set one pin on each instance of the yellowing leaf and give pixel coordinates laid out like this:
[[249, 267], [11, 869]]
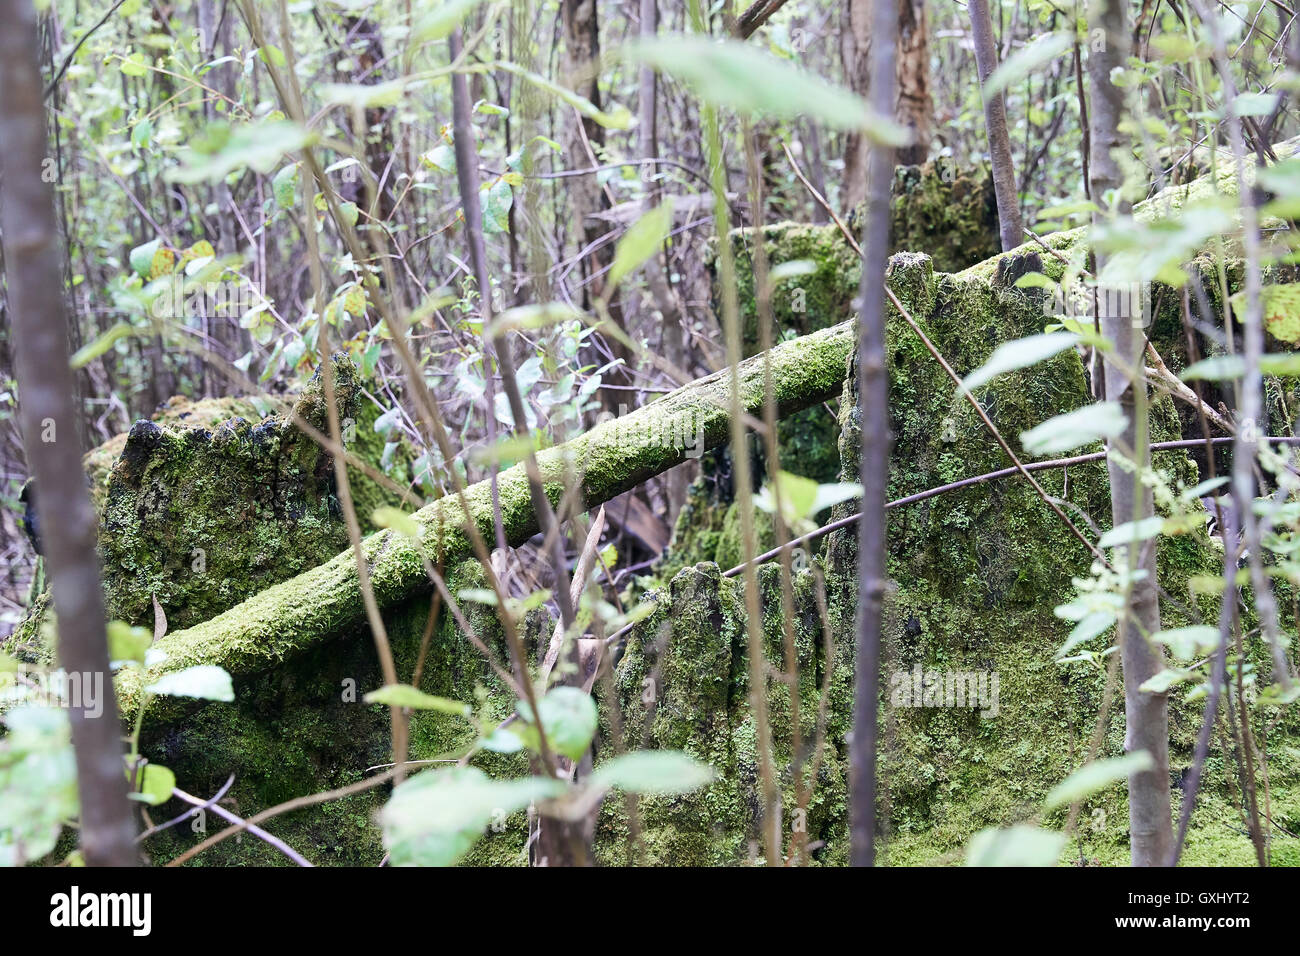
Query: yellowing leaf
[[641, 241]]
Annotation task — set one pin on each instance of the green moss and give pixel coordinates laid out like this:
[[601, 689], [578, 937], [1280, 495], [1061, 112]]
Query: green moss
[[304, 728], [286, 619], [977, 574], [202, 519], [945, 211]]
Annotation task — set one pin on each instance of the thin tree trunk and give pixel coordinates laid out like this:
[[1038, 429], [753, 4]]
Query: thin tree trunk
[[677, 480], [873, 406], [915, 109], [995, 119], [912, 105], [49, 421], [586, 137], [1146, 714]]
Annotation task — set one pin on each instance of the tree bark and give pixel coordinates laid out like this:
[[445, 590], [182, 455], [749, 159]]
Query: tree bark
[[873, 408], [995, 121], [1146, 714], [677, 480], [912, 105], [586, 196], [915, 109], [49, 422]]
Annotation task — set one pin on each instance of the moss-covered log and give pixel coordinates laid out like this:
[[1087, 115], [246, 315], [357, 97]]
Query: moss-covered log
[[612, 458], [209, 502]]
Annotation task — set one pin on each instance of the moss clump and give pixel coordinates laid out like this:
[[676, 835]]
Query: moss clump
[[977, 574], [202, 518], [305, 728], [178, 412], [946, 211]]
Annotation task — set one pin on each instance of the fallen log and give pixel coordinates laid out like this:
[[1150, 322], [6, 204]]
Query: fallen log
[[610, 459]]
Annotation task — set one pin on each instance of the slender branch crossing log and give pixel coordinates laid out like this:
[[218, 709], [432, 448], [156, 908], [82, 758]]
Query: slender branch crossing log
[[614, 457]]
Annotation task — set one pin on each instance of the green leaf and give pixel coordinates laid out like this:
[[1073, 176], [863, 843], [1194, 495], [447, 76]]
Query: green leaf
[[797, 493], [399, 521], [496, 207], [441, 158], [127, 643], [641, 241], [478, 596], [1253, 104], [141, 258], [1167, 678], [653, 771], [1083, 207], [1286, 363], [1215, 368], [1093, 625], [1096, 776], [502, 740], [93, 350], [260, 146], [1189, 642], [404, 695], [204, 681], [284, 186], [38, 782], [740, 77], [1082, 426], [436, 817], [438, 23], [272, 55], [154, 784], [349, 214], [1131, 532], [1204, 488], [832, 493], [568, 718], [1020, 845], [1221, 367], [1020, 64], [363, 96], [532, 316], [134, 65], [141, 133], [1035, 280], [1018, 354], [792, 269]]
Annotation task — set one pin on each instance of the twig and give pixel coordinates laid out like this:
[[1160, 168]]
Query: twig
[[755, 16], [297, 803], [981, 479], [188, 813], [248, 825], [67, 61]]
